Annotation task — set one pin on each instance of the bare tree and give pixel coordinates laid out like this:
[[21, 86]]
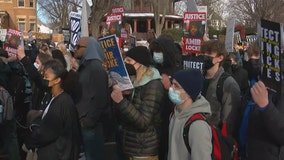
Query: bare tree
[[57, 12], [160, 7], [250, 11], [99, 9]]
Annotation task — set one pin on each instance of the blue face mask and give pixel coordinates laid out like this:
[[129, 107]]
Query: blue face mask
[[158, 57], [174, 96]]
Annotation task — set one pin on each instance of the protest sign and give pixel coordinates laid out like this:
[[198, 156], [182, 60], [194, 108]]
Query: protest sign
[[270, 51], [193, 61], [229, 42], [66, 35], [117, 9], [132, 41], [194, 29], [14, 38], [237, 37], [115, 62], [114, 24], [3, 33], [75, 29], [251, 38]]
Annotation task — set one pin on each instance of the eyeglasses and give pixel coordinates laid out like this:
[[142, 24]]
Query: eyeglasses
[[78, 46]]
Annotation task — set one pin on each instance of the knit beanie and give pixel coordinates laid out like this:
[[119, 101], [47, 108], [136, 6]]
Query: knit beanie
[[191, 81], [141, 55]]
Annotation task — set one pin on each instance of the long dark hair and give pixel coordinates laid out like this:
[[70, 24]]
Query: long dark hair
[[69, 79]]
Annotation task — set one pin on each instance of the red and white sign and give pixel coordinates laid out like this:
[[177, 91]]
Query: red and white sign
[[124, 33], [194, 29], [113, 18], [13, 40], [117, 9]]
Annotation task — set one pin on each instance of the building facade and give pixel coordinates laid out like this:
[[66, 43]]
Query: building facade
[[140, 15], [18, 14]]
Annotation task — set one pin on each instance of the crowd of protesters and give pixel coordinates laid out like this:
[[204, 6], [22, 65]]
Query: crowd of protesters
[[66, 98]]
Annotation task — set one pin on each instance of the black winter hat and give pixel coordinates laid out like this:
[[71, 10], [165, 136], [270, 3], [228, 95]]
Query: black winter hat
[[191, 81], [141, 55]]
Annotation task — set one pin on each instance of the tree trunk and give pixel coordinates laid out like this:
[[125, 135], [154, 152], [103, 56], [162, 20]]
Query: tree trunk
[[95, 24], [160, 7]]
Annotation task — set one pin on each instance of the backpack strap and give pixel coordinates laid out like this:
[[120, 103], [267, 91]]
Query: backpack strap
[[220, 84], [197, 116]]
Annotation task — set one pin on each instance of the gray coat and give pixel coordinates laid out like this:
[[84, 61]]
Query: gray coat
[[228, 110]]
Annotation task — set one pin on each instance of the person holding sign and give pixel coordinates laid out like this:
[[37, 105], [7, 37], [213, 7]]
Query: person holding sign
[[140, 119], [266, 125]]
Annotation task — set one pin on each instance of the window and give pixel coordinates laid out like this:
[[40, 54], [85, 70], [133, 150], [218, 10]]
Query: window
[[31, 3], [32, 24], [22, 24], [21, 3]]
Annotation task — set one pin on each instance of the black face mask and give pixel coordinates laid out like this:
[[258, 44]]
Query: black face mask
[[234, 67], [130, 69], [208, 62]]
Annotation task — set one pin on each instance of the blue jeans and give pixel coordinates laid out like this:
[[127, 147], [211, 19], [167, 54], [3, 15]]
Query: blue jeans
[[93, 142], [8, 136]]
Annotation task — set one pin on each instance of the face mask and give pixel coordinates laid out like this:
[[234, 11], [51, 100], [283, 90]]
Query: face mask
[[175, 96], [125, 49], [36, 65], [234, 67], [158, 57], [208, 62]]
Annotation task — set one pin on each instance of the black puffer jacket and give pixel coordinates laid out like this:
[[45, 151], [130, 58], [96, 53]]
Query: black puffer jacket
[[140, 119]]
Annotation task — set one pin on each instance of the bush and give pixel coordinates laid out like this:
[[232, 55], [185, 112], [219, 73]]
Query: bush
[[175, 33]]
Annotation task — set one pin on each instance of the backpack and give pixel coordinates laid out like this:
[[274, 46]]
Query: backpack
[[6, 100], [223, 147], [219, 90]]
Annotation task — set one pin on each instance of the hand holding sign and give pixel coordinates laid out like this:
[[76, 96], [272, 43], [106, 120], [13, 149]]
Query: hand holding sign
[[260, 94], [20, 52], [116, 94]]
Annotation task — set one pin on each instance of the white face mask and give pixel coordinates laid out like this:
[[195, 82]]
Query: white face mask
[[36, 65], [125, 49], [158, 57]]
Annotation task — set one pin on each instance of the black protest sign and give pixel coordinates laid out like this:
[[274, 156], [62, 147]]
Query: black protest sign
[[193, 61], [270, 44]]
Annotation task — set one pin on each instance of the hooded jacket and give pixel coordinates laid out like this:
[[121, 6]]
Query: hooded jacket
[[171, 56], [91, 93], [199, 135], [139, 117]]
